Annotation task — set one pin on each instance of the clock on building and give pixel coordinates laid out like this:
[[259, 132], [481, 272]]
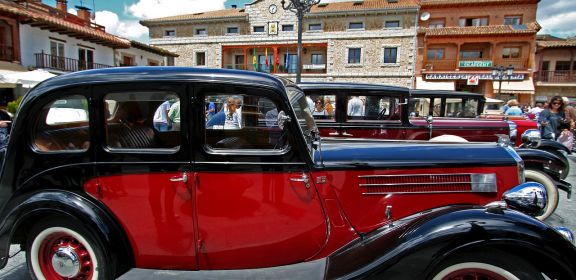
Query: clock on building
[[272, 9]]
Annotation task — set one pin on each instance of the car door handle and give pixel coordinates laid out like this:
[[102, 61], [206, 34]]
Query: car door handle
[[333, 134], [183, 179], [303, 178], [346, 134]]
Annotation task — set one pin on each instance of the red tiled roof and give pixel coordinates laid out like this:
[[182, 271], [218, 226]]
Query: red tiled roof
[[54, 24], [429, 3], [530, 28], [227, 13], [362, 6], [557, 44]]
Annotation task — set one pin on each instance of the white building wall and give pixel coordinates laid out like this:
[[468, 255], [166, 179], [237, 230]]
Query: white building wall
[[141, 57], [35, 40]]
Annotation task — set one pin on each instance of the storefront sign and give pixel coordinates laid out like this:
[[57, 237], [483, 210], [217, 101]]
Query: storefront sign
[[464, 76], [475, 63], [472, 80]]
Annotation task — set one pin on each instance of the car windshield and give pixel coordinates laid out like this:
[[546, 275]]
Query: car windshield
[[304, 115]]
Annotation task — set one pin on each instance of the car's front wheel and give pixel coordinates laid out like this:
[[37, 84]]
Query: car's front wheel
[[488, 264], [551, 191], [60, 249]]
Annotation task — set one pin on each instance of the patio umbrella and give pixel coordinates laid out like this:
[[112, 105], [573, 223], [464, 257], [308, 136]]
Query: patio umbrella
[[28, 79]]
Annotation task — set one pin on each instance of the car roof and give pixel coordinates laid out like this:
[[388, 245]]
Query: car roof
[[445, 93], [158, 73], [352, 86]]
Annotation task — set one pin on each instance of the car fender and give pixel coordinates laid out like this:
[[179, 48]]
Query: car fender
[[67, 205], [547, 144], [554, 165], [398, 251]]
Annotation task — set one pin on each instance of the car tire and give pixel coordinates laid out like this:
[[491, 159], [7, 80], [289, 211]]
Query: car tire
[[62, 249], [551, 191], [486, 264]]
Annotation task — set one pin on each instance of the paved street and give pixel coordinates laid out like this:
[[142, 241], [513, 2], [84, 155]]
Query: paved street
[[564, 216]]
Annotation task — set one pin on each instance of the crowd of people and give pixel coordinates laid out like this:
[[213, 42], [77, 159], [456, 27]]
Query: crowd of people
[[556, 118]]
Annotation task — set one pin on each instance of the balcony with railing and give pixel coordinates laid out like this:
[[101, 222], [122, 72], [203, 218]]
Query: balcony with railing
[[65, 64], [558, 77], [517, 63]]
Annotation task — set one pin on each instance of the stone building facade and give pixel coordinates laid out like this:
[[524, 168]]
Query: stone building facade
[[356, 41]]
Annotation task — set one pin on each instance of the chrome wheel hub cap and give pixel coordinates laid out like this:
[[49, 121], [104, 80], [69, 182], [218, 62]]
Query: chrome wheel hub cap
[[65, 262]]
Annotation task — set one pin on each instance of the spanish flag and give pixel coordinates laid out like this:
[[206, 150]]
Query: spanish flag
[[255, 60]]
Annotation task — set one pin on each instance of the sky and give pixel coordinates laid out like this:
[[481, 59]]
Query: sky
[[121, 17]]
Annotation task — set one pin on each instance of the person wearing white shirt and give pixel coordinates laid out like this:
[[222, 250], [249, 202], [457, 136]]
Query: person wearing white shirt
[[355, 107]]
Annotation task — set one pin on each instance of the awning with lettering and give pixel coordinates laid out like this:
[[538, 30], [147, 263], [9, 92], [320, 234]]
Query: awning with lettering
[[435, 85], [515, 87]]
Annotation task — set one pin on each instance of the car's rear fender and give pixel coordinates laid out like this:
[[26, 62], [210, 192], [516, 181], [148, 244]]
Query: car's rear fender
[[67, 205]]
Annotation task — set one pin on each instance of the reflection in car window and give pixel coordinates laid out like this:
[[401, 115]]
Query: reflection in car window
[[304, 115], [63, 125], [242, 121], [323, 107], [142, 120], [373, 108]]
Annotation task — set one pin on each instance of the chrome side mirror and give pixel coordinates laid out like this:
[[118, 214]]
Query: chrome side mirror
[[529, 198], [282, 119], [429, 119]]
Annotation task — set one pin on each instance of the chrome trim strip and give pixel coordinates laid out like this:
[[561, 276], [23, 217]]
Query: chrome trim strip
[[248, 163], [416, 184], [412, 175]]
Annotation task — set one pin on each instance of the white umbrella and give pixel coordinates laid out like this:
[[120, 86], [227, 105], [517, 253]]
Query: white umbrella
[[27, 79]]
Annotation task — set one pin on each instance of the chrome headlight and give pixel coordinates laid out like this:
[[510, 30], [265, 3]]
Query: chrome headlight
[[529, 198], [532, 137], [513, 130]]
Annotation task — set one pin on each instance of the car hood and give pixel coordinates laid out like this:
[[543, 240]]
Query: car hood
[[368, 153]]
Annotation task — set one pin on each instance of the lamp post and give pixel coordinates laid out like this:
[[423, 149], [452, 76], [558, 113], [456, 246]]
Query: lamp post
[[499, 72], [299, 7]]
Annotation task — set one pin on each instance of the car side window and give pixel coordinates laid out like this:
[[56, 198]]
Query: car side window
[[142, 120], [239, 119], [63, 125], [373, 108], [323, 107]]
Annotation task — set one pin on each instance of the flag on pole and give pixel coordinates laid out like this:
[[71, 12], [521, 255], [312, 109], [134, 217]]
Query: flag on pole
[[287, 62], [255, 60], [266, 55], [276, 61]]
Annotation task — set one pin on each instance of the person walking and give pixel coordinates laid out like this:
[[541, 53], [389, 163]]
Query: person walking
[[550, 118], [513, 109]]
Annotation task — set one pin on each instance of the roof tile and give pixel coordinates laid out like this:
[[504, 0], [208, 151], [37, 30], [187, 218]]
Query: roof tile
[[530, 28]]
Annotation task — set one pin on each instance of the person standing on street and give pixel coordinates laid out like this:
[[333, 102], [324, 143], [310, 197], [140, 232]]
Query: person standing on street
[[550, 118]]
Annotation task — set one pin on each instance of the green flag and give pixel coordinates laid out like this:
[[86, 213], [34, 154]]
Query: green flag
[[255, 60]]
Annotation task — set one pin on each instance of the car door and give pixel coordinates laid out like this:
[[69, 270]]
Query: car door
[[144, 166], [255, 205]]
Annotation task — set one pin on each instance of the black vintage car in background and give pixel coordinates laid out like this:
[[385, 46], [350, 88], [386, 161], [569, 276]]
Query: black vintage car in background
[[95, 185]]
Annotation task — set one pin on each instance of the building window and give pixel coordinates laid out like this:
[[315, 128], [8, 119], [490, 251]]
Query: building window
[[392, 24], [354, 55], [127, 60], [200, 59], [170, 33], [470, 54], [315, 27], [287, 27], [85, 59], [317, 59], [436, 23], [480, 21], [258, 29], [562, 66], [513, 52], [6, 44], [435, 54], [356, 25], [390, 54], [232, 30], [201, 32], [512, 20], [57, 58]]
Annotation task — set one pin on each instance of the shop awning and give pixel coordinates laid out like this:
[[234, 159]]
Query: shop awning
[[515, 87], [436, 85]]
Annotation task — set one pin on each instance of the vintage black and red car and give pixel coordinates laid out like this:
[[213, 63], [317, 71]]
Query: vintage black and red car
[[140, 171], [355, 110]]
